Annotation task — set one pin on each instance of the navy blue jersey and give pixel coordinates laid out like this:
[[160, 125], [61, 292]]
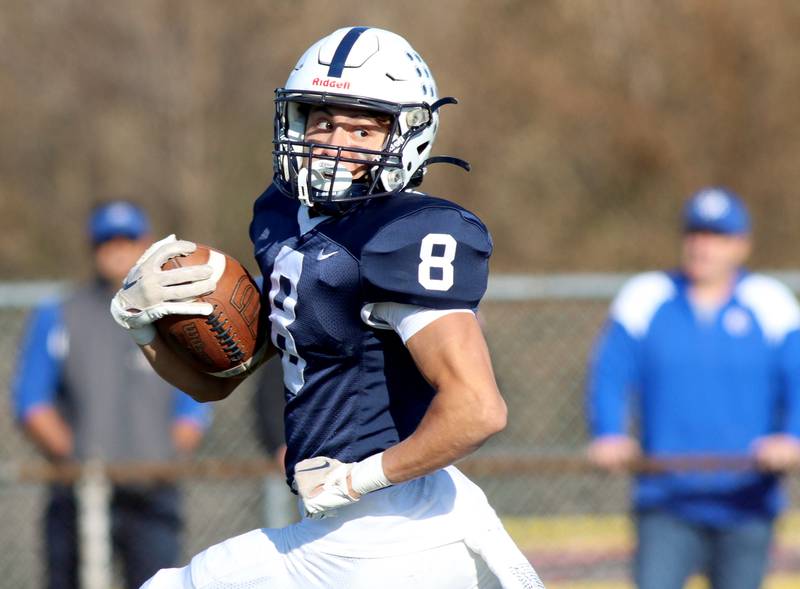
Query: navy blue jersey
[[353, 390]]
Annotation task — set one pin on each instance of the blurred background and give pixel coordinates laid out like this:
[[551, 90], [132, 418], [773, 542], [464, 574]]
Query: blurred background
[[587, 123]]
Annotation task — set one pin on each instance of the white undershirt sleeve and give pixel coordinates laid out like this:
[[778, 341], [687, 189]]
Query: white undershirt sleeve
[[405, 320]]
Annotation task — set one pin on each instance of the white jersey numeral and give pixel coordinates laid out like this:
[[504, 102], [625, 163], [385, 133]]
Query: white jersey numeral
[[442, 262], [282, 300]]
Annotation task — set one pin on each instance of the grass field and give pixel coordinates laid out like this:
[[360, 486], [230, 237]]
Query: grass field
[[592, 552]]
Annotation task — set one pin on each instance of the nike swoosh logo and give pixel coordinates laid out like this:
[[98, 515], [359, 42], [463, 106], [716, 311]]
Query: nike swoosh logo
[[127, 285], [320, 467], [323, 256]]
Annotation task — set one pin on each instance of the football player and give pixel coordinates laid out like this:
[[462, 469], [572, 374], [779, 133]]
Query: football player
[[372, 289]]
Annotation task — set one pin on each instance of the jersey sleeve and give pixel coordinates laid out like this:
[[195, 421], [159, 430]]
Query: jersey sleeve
[[789, 365], [614, 373], [405, 320], [41, 353], [436, 257], [778, 314], [612, 377]]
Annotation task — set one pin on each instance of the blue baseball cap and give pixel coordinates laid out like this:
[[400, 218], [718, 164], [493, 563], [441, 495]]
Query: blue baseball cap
[[718, 210], [117, 219]]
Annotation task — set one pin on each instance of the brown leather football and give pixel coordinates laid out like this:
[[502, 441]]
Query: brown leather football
[[224, 343]]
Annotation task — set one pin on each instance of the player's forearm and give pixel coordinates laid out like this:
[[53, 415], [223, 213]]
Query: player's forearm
[[456, 424], [50, 433], [200, 386], [465, 411], [458, 421]]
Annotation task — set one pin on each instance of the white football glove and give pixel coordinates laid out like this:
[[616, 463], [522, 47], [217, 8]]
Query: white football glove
[[322, 482], [149, 293]]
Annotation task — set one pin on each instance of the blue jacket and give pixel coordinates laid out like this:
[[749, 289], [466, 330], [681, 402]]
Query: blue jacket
[[699, 383]]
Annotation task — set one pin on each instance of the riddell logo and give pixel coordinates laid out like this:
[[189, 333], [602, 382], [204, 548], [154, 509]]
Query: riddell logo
[[328, 83]]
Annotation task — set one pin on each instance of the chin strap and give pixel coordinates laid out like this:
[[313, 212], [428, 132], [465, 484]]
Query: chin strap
[[447, 159], [442, 101], [302, 187]]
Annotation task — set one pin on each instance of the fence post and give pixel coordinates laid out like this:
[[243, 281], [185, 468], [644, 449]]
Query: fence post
[[94, 527]]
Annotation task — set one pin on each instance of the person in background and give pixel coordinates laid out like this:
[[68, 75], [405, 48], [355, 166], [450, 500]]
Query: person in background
[[82, 391], [709, 357]]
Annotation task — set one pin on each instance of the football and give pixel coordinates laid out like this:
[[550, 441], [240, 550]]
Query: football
[[225, 343]]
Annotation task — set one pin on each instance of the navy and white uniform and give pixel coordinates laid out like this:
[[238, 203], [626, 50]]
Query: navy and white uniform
[[703, 381], [340, 289], [323, 272]]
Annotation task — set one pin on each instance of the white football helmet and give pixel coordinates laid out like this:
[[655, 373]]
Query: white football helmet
[[362, 68]]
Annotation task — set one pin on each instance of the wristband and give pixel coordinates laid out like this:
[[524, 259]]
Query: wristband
[[367, 475], [143, 335]]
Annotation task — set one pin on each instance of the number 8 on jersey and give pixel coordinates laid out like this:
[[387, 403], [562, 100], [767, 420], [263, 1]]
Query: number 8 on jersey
[[436, 254]]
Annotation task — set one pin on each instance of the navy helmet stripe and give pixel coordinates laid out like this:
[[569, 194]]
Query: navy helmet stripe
[[343, 50]]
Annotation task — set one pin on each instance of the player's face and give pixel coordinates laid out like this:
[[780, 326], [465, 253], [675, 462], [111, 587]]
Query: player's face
[[115, 257], [710, 257], [346, 128]]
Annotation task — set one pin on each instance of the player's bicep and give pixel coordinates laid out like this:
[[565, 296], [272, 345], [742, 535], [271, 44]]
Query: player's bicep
[[451, 353]]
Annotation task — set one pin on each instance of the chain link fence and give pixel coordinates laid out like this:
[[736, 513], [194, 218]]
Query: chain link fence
[[570, 521]]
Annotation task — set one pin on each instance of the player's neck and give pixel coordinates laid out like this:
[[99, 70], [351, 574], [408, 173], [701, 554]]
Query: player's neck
[[712, 292]]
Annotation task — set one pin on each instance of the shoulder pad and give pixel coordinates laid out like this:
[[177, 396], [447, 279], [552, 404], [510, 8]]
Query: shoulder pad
[[271, 209], [436, 255]]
